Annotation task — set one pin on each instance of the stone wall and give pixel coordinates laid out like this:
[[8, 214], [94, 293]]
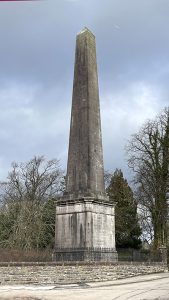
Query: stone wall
[[66, 274]]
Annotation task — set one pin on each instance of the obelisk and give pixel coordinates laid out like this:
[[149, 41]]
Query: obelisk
[[85, 160], [85, 226]]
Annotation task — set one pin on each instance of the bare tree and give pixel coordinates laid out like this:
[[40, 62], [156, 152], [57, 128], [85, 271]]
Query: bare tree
[[148, 157], [107, 178], [27, 198], [145, 222]]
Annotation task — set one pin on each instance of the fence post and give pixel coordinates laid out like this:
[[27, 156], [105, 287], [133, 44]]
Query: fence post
[[163, 254]]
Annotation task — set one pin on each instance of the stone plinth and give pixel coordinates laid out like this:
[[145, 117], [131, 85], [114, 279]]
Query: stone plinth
[[85, 231]]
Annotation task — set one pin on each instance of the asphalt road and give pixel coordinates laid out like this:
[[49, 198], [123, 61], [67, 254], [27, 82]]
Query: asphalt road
[[136, 288]]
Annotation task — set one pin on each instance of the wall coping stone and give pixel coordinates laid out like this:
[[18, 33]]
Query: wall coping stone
[[81, 263]]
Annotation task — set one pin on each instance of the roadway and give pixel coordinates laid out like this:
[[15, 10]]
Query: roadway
[[146, 287]]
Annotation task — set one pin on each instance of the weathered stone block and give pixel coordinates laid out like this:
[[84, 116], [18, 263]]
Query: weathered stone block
[[85, 231]]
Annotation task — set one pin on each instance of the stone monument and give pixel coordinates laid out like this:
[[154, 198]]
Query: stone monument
[[85, 222]]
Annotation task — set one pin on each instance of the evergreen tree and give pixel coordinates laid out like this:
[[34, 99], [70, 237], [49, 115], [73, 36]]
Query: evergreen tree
[[126, 221]]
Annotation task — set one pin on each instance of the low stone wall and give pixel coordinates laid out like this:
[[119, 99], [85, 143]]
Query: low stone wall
[[27, 273]]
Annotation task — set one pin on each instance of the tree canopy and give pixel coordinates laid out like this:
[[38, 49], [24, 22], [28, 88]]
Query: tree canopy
[[27, 215], [148, 157]]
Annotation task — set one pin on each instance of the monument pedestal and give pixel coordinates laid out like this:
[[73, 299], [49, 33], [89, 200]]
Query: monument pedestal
[[85, 231]]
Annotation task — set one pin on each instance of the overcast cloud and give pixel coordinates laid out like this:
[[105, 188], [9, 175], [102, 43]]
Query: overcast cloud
[[36, 73]]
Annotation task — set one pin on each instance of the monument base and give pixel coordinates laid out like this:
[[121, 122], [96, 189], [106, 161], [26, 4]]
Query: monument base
[[85, 231]]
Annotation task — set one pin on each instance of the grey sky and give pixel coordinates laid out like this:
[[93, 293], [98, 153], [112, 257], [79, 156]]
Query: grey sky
[[36, 73]]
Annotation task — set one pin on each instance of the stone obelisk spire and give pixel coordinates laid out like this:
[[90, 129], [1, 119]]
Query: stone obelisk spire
[[85, 158], [85, 223]]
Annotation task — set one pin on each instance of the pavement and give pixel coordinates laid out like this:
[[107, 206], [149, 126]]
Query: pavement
[[145, 287]]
